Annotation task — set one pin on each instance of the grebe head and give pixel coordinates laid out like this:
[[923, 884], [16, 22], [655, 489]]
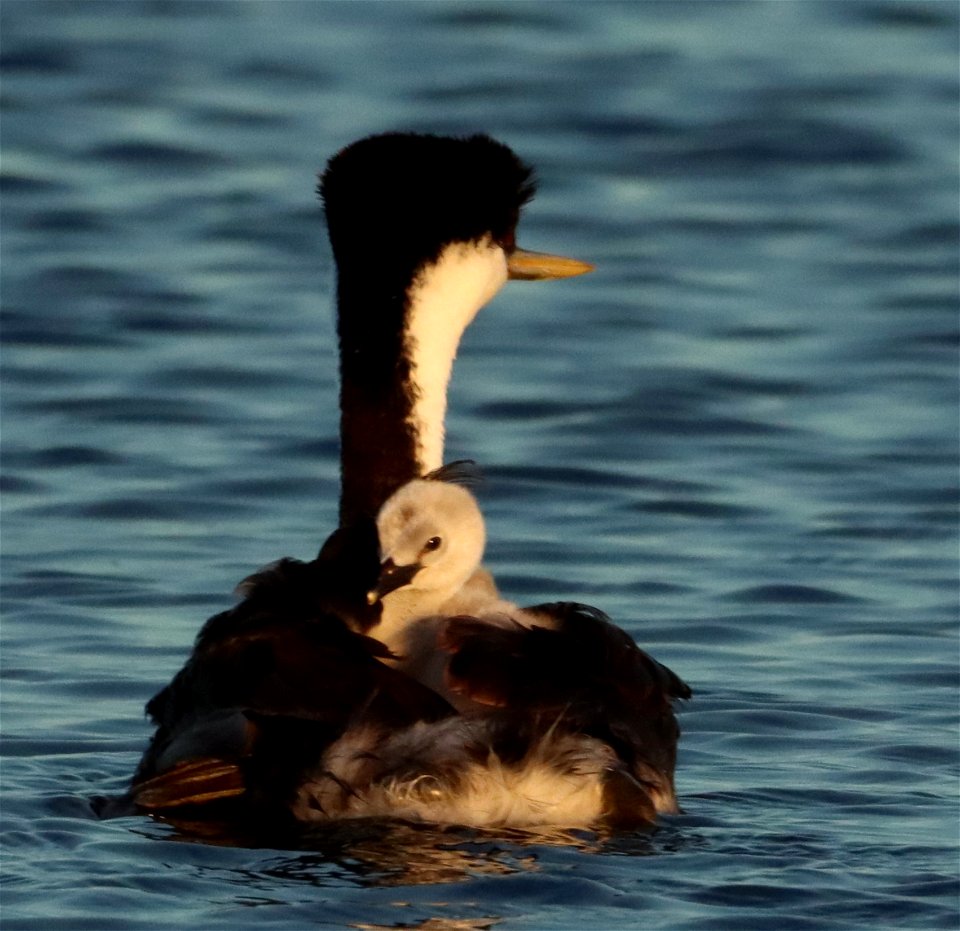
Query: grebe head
[[432, 538], [398, 199], [396, 202]]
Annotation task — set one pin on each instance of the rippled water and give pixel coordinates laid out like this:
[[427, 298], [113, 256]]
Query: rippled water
[[738, 437]]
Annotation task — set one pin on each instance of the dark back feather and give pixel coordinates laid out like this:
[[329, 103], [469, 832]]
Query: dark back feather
[[289, 659], [580, 670]]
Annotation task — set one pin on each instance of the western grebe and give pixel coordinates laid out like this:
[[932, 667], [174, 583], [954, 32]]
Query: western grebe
[[291, 697]]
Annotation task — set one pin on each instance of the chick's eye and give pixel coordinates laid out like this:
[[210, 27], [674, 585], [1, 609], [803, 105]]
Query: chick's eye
[[432, 544]]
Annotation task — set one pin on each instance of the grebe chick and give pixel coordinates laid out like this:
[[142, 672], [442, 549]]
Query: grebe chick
[[432, 536]]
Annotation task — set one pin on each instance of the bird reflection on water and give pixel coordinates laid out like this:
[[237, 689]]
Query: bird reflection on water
[[437, 924], [383, 853]]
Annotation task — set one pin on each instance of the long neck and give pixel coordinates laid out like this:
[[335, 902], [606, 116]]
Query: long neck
[[378, 448], [397, 348]]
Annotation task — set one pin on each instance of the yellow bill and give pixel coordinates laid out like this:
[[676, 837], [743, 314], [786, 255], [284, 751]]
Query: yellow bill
[[524, 265]]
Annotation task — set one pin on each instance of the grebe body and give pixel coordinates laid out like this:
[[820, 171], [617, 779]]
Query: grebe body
[[310, 698]]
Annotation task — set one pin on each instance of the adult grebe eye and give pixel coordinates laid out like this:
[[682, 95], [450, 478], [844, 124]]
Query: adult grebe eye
[[432, 544]]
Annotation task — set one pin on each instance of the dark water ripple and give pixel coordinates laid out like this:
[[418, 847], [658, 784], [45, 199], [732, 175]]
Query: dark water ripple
[[739, 437]]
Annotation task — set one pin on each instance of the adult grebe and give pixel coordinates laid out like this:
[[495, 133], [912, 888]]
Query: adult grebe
[[423, 234], [286, 705]]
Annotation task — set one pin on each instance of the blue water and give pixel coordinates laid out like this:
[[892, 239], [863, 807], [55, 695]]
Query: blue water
[[738, 437]]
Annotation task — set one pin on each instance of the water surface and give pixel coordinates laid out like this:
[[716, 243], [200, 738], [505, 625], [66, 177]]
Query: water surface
[[738, 437]]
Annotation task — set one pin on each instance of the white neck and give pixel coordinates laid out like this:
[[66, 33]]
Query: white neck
[[444, 299]]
